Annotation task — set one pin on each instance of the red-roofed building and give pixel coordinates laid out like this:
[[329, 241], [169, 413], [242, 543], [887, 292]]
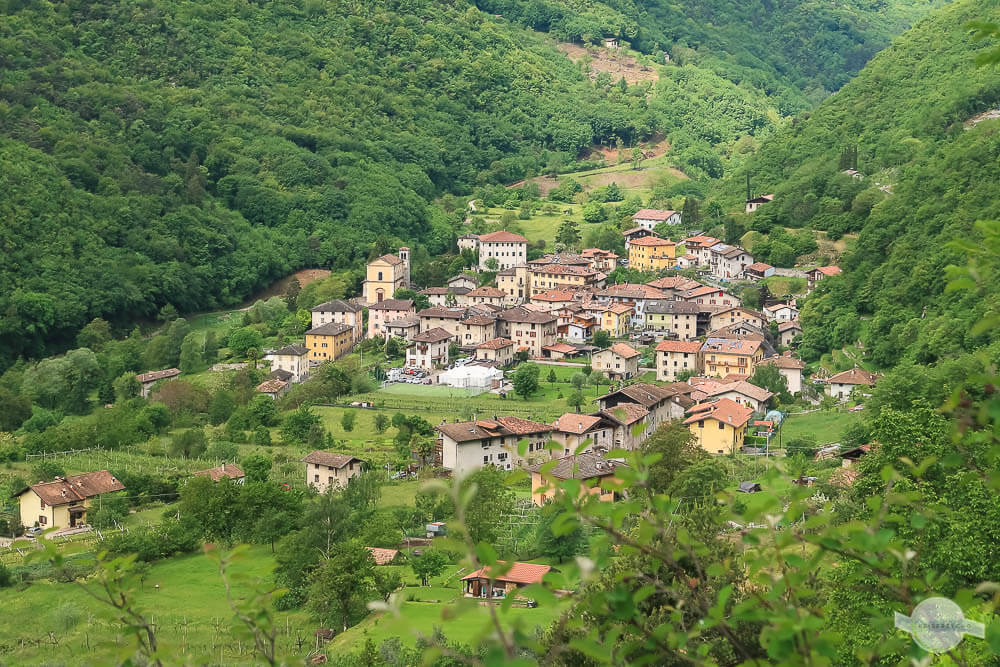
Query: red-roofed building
[[719, 427], [618, 362], [674, 357], [468, 446], [507, 248], [841, 385], [502, 580], [649, 218], [813, 276], [498, 350], [758, 271]]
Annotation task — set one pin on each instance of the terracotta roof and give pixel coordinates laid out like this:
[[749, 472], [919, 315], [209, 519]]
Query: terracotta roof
[[652, 214], [435, 335], [759, 267], [294, 349], [674, 283], [779, 306], [723, 410], [480, 320], [651, 241], [740, 387], [502, 237], [597, 252], [383, 556], [329, 329], [519, 573], [706, 290], [391, 259], [444, 312], [487, 292], [153, 376], [785, 326], [624, 350], [619, 308], [632, 290], [525, 315], [563, 269], [555, 295], [738, 331], [668, 307], [76, 487], [701, 241], [854, 376], [495, 344], [490, 428], [785, 362], [392, 304], [330, 459], [744, 309], [626, 413], [734, 377], [829, 270], [523, 426], [731, 346], [580, 466], [688, 346], [565, 348], [576, 423], [230, 470], [271, 386], [635, 230], [336, 306]]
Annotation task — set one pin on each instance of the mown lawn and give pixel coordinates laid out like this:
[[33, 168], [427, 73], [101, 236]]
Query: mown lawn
[[823, 425]]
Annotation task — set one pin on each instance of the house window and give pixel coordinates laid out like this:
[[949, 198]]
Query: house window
[[486, 459], [316, 479], [380, 275], [42, 519], [329, 480], [701, 424], [43, 504]]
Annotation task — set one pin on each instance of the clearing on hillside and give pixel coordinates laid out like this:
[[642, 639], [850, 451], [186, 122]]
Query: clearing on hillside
[[613, 61]]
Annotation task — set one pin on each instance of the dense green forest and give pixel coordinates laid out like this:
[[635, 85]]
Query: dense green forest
[[793, 50], [928, 177], [187, 154]]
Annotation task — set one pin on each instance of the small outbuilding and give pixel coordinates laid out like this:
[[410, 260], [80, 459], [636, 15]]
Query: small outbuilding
[[483, 583]]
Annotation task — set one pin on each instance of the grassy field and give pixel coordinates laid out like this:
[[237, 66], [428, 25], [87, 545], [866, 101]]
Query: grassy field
[[781, 286], [823, 425], [189, 609], [441, 605]]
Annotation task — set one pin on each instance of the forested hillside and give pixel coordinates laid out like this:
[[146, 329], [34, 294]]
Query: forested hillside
[[928, 177], [795, 50]]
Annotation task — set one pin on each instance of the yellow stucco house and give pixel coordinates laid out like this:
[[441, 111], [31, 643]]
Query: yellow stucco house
[[719, 427], [63, 503], [329, 341], [615, 319], [652, 253], [724, 356]]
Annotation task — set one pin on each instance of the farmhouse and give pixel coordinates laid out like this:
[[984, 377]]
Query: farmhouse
[[841, 385], [483, 583], [147, 380], [787, 331], [325, 470], [590, 468], [468, 446], [632, 424], [758, 271], [756, 202], [663, 403], [572, 430], [619, 362], [719, 427], [649, 218], [63, 503], [781, 312], [813, 276], [385, 275], [272, 388]]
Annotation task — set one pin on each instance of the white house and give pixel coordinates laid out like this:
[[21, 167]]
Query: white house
[[841, 385], [781, 312], [790, 368], [292, 358], [325, 470], [507, 248], [468, 446], [428, 349], [648, 218]]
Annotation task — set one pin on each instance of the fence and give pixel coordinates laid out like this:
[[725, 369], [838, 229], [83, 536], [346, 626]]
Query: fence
[[15, 555]]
